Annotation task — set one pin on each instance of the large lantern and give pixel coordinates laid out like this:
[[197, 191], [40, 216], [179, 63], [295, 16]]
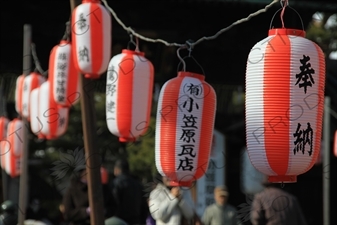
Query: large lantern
[[129, 89], [91, 38], [13, 146], [35, 120], [53, 118], [3, 133], [31, 81], [63, 76], [285, 80], [18, 94], [184, 128]]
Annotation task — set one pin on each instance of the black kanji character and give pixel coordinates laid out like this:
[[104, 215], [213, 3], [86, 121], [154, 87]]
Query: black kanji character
[[306, 74], [189, 121], [187, 150], [186, 164], [187, 135]]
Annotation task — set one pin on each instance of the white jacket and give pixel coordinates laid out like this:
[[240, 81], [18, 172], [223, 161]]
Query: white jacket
[[167, 209]]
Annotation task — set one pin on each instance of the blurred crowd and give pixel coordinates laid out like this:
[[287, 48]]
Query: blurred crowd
[[127, 202]]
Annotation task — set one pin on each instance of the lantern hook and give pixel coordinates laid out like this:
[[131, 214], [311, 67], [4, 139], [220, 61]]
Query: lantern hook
[[66, 35], [282, 184], [284, 3], [181, 59], [190, 45], [282, 9], [133, 42]]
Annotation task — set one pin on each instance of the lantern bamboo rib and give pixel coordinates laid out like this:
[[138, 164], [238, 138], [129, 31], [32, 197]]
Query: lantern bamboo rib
[[130, 30]]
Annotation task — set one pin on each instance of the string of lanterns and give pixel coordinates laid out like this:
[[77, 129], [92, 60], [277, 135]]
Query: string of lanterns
[[285, 73]]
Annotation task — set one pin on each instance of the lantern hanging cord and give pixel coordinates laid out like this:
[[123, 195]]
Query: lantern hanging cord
[[66, 35], [36, 60], [284, 4], [130, 30]]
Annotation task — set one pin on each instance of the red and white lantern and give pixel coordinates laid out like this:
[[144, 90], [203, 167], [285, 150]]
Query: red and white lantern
[[3, 133], [129, 89], [91, 38], [18, 94], [35, 121], [63, 76], [31, 81], [13, 146], [184, 128], [285, 81], [53, 118]]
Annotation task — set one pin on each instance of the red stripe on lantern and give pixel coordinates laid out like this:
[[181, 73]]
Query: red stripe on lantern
[[273, 58], [3, 133], [18, 94], [168, 117], [14, 147], [96, 30]]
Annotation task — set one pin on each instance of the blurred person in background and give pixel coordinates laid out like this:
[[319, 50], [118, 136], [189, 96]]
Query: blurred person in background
[[168, 205], [220, 212], [274, 206]]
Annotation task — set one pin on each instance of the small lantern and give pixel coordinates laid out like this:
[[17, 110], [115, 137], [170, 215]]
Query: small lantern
[[63, 76], [129, 89], [3, 133], [18, 94], [13, 146], [31, 81], [53, 118], [91, 38], [184, 128], [285, 81], [35, 121]]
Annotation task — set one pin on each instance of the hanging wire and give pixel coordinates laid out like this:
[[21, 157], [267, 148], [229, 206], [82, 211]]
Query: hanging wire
[[129, 29], [282, 9], [284, 4], [181, 59], [36, 60], [66, 35]]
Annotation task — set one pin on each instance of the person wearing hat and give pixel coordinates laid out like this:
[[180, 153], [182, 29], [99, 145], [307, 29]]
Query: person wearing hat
[[220, 212]]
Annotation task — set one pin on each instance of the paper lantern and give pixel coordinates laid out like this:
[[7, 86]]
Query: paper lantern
[[129, 89], [53, 118], [285, 80], [13, 147], [31, 81], [104, 175], [18, 94], [3, 133], [35, 121], [91, 38], [63, 76], [184, 128], [335, 144]]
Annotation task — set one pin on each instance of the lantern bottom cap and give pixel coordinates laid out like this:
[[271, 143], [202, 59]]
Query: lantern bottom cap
[[282, 179], [181, 183], [91, 76], [123, 139]]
